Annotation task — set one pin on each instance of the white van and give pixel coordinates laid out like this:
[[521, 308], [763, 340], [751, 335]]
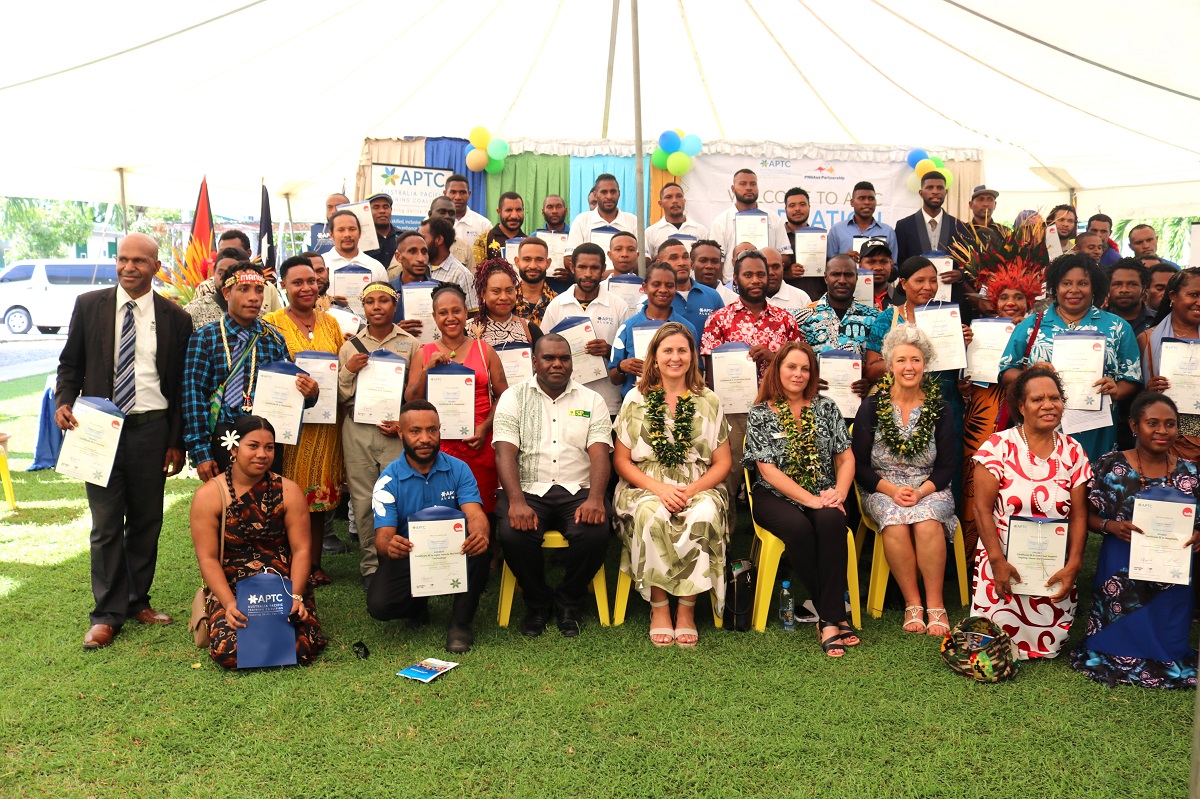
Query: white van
[[43, 292]]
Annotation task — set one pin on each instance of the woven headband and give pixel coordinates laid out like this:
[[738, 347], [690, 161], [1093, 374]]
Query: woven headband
[[384, 287], [244, 277]]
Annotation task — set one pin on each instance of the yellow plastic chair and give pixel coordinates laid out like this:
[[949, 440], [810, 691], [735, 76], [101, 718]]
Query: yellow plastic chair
[[9, 494], [879, 565], [766, 552], [508, 584]]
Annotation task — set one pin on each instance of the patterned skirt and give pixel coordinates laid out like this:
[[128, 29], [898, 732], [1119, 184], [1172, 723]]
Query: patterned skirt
[[1037, 626], [222, 647]]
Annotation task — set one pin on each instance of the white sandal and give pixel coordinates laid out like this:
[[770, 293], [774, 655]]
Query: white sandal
[[687, 630], [914, 614], [935, 621], [667, 631]]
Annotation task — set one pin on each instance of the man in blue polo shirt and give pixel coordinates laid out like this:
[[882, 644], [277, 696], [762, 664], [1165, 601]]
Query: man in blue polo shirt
[[422, 478], [623, 367], [693, 301]]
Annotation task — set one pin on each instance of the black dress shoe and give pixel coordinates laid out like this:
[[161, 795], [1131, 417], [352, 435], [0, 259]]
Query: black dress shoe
[[459, 639], [569, 623], [534, 624]]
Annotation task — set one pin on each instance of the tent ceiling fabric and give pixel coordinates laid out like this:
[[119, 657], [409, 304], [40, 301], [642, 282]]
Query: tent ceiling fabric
[[287, 91]]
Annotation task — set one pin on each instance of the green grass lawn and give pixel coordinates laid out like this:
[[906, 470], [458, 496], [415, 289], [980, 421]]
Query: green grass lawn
[[604, 715]]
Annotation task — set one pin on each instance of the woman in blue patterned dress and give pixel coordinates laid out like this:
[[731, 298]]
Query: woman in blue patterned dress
[[1138, 630], [1076, 284]]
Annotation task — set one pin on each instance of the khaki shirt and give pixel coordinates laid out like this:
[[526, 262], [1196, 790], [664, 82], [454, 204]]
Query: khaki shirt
[[398, 342]]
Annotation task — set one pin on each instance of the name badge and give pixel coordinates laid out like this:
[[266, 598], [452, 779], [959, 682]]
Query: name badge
[[584, 414]]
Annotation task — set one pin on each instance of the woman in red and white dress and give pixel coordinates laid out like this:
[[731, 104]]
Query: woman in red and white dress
[[1030, 470]]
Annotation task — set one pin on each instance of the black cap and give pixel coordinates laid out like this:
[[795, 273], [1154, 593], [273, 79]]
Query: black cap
[[874, 246], [380, 196]]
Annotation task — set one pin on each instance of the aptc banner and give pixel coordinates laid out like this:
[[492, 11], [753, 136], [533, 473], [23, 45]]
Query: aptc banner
[[412, 189], [708, 186]]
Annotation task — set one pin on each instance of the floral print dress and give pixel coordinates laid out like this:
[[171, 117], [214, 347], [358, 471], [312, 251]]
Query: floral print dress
[[1137, 630]]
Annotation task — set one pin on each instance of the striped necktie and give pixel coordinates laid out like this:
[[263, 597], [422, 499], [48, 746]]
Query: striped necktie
[[236, 383], [124, 393]]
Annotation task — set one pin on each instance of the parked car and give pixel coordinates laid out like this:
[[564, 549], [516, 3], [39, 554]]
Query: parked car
[[43, 292]]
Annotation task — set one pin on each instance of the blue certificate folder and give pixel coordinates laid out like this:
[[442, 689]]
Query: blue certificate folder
[[268, 639]]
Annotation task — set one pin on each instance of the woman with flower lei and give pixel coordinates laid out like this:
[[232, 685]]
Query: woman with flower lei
[[798, 447], [672, 457], [905, 455]]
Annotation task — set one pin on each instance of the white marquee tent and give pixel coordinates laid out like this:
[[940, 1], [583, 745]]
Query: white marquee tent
[[1097, 96]]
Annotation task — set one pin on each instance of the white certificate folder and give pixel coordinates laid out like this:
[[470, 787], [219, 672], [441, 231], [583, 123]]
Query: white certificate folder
[[437, 564], [1166, 516], [1037, 549], [90, 449], [277, 399], [379, 389]]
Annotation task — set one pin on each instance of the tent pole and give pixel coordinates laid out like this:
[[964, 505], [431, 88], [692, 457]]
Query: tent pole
[[291, 225], [124, 207], [612, 54], [639, 166]]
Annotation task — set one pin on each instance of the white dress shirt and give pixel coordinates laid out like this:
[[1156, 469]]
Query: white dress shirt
[[662, 230], [146, 384], [607, 312], [934, 234], [467, 229], [790, 298], [583, 225], [722, 231], [334, 261], [552, 436]]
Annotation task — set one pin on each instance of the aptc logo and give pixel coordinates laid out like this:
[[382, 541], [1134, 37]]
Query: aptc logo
[[470, 381], [258, 599], [332, 367], [447, 495], [458, 528], [775, 163], [1060, 531]]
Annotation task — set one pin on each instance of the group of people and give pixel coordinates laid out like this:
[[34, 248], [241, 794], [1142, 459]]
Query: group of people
[[644, 447]]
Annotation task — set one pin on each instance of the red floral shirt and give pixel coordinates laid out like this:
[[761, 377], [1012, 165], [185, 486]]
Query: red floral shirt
[[772, 328]]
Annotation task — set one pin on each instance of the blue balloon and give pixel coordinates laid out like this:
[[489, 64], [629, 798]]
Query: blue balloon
[[669, 141], [915, 156], [691, 145]]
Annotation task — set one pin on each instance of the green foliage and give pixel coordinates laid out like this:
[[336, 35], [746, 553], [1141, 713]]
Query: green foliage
[[1174, 235], [43, 228]]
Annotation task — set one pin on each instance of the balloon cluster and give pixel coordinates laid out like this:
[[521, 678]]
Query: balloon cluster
[[485, 153], [675, 151], [922, 163]]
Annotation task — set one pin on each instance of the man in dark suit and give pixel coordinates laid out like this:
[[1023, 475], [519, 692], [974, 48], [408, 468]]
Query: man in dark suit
[[933, 229], [128, 344]]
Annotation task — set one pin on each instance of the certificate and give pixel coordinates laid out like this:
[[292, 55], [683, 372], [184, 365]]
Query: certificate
[[989, 338], [436, 562], [735, 376], [1074, 421], [751, 226], [602, 236], [1179, 362], [347, 320], [277, 399], [857, 242], [1078, 357], [1053, 242], [643, 334], [349, 282], [417, 303], [864, 289], [578, 331], [627, 287], [942, 263], [322, 367], [517, 359], [89, 450], [1166, 517], [810, 250], [942, 322], [379, 389], [839, 369], [451, 389], [369, 240], [510, 249], [1037, 549], [556, 243]]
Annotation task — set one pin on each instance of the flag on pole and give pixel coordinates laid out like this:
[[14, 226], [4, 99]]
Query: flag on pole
[[202, 243], [266, 235]]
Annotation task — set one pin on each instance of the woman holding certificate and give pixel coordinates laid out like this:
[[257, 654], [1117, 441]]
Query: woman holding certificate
[[672, 457], [798, 444], [1025, 478], [904, 454], [315, 462], [1178, 318], [496, 285], [247, 520], [1138, 629], [1074, 282], [488, 383]]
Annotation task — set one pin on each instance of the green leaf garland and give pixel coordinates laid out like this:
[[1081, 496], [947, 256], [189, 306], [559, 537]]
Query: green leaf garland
[[885, 421], [803, 458], [669, 453]]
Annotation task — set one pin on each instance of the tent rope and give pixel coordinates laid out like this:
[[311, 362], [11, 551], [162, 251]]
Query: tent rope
[[1069, 54], [1032, 88], [537, 57], [687, 29], [127, 50], [800, 72]]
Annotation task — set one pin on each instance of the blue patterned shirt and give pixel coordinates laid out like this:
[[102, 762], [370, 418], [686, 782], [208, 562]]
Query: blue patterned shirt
[[206, 368], [824, 331]]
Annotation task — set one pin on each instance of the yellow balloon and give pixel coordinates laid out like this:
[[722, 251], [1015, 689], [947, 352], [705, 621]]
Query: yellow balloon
[[680, 132], [477, 160], [923, 166], [480, 137], [913, 182]]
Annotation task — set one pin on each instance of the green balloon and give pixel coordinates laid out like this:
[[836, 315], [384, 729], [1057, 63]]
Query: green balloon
[[678, 163], [495, 166], [939, 163], [659, 158]]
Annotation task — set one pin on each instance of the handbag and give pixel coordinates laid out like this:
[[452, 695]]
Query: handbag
[[198, 623], [979, 649], [740, 579]]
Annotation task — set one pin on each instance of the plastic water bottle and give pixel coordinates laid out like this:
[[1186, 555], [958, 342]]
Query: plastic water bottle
[[787, 608]]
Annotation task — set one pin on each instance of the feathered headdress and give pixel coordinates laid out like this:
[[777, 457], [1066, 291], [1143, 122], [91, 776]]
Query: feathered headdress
[[1002, 259]]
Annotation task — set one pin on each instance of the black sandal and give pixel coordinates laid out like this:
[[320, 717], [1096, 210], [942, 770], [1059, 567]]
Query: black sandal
[[847, 630], [832, 642]]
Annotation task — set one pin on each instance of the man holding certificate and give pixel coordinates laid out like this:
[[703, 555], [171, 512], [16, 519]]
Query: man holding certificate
[[745, 221], [367, 447], [861, 225], [553, 441], [837, 321], [624, 365], [674, 220], [425, 477], [412, 256], [346, 231], [128, 343]]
